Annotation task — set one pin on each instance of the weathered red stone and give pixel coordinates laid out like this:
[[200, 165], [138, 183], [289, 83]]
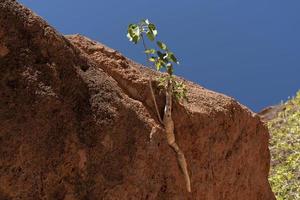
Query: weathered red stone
[[75, 120]]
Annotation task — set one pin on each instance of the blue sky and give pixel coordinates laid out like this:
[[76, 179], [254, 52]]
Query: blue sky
[[245, 49]]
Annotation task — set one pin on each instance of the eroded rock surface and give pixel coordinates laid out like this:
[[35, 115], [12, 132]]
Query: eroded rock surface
[[75, 119]]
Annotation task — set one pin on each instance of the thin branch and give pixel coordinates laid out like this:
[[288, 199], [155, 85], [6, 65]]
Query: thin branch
[[150, 83]]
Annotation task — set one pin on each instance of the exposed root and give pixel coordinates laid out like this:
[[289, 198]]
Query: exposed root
[[183, 166], [154, 101], [169, 128]]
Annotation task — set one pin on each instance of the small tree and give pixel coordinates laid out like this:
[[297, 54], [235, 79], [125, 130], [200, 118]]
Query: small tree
[[162, 59]]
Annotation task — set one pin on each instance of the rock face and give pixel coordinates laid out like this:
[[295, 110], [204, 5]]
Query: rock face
[[271, 112], [75, 120]]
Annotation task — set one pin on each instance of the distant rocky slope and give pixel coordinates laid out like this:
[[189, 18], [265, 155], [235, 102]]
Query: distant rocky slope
[[284, 126], [271, 112], [75, 119]]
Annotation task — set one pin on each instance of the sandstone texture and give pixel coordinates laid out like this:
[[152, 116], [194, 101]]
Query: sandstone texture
[[75, 120]]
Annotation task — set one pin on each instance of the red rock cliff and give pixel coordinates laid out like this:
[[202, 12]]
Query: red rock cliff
[[75, 119]]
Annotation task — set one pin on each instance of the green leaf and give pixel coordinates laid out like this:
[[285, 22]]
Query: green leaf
[[136, 31], [172, 58], [130, 33], [129, 37], [152, 29], [150, 51], [132, 26], [133, 29], [135, 39], [150, 35], [151, 26], [133, 33], [161, 55], [162, 82], [158, 65], [165, 56], [152, 59], [179, 90], [162, 45], [154, 33]]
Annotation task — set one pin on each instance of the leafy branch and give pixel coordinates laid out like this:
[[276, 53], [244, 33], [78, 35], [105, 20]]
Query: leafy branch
[[162, 59]]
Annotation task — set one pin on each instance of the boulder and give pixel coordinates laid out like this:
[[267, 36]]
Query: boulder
[[76, 118]]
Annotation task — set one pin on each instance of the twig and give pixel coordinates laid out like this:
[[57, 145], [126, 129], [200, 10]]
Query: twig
[[150, 84]]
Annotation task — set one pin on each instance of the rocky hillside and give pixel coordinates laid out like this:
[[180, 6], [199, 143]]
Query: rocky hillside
[[75, 120], [284, 128]]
